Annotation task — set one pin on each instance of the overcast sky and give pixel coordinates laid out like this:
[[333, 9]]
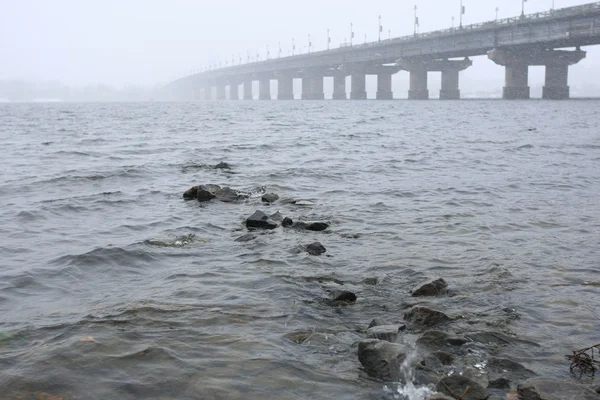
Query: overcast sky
[[145, 42]]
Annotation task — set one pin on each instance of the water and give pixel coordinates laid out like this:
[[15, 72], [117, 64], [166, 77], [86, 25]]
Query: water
[[114, 287]]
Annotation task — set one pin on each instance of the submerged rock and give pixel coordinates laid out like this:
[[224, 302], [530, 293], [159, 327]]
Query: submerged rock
[[551, 389], [343, 296], [455, 386], [222, 165], [315, 249], [311, 226], [287, 222], [298, 336], [432, 288], [502, 372], [424, 317], [276, 217], [269, 197], [377, 322], [388, 333], [246, 238], [381, 359], [434, 339], [260, 220]]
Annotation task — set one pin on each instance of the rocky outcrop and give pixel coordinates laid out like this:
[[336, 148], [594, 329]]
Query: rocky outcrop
[[287, 222], [208, 192], [260, 220], [269, 198], [551, 389], [421, 317], [432, 288], [381, 359]]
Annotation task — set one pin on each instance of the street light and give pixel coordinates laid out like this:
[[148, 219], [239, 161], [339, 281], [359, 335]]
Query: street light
[[497, 9], [293, 47], [351, 33], [380, 28], [309, 43], [523, 8], [416, 20], [279, 45], [453, 22], [462, 12], [328, 40]]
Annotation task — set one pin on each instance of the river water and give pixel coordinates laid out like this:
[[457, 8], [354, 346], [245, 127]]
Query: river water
[[114, 287]]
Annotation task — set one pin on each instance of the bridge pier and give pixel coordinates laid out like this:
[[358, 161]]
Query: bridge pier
[[221, 91], [264, 88], [418, 84], [358, 88], [339, 86], [450, 87], [248, 89], [285, 87], [208, 93], [234, 92], [450, 70], [316, 86], [517, 64], [384, 86]]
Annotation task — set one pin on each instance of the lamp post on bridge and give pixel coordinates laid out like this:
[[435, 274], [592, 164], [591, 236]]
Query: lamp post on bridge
[[497, 9], [309, 43], [453, 22], [293, 47], [416, 21], [351, 33], [328, 39], [462, 12], [279, 45], [523, 8], [380, 28]]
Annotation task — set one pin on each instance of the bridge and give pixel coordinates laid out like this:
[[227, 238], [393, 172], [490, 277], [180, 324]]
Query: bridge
[[552, 39]]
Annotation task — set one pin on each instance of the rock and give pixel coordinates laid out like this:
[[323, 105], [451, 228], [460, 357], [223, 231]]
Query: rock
[[204, 194], [551, 389], [317, 226], [276, 217], [260, 220], [222, 165], [455, 386], [432, 339], [381, 359], [502, 371], [497, 338], [425, 317], [228, 195], [315, 249], [456, 340], [343, 296], [388, 333], [298, 336], [287, 222], [270, 198], [440, 397], [431, 288], [444, 357], [376, 322], [246, 238], [191, 193]]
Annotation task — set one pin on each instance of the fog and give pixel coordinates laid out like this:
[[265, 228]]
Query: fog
[[149, 42]]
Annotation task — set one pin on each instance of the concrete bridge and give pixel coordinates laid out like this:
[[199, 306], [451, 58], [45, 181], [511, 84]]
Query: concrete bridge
[[515, 43]]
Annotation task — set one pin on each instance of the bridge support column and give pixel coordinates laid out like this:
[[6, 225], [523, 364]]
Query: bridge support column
[[234, 91], [207, 93], [418, 84], [248, 89], [307, 87], [221, 91], [384, 87], [339, 86], [316, 83], [517, 70], [358, 89], [450, 89], [264, 89], [285, 88]]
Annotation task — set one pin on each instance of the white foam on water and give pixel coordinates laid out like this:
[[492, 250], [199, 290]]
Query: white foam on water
[[408, 390]]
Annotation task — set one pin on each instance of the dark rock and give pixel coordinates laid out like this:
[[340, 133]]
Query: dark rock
[[381, 359], [376, 322], [444, 357], [260, 220], [287, 222], [597, 389], [432, 339], [431, 288], [191, 193], [315, 249], [455, 386], [276, 217], [551, 389], [222, 165], [228, 195], [385, 332], [246, 238], [317, 226], [204, 195], [270, 197], [502, 371], [497, 338], [456, 340], [424, 317], [343, 296]]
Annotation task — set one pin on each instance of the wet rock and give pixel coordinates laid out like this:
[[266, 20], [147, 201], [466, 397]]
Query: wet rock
[[315, 249], [276, 217], [433, 339], [388, 333], [597, 389], [270, 198], [455, 386], [424, 317], [191, 193], [204, 194], [260, 220], [287, 222], [228, 195], [440, 397], [245, 238], [444, 357], [381, 359], [431, 288], [376, 322], [298, 336], [317, 226], [551, 389], [502, 371], [222, 165], [343, 296], [497, 338]]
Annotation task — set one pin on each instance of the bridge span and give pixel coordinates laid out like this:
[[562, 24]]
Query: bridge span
[[552, 39]]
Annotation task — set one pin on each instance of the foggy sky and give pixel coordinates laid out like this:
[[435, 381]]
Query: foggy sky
[[145, 42]]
